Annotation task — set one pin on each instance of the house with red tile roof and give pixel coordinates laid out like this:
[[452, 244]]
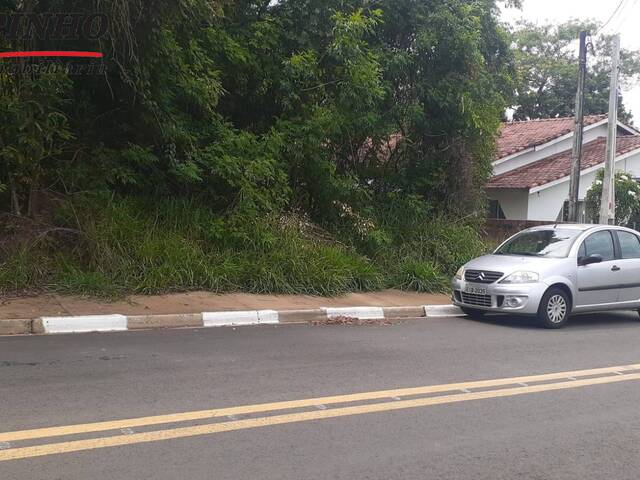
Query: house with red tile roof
[[533, 161]]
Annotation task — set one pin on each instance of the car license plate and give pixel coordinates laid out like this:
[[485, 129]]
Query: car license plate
[[475, 290]]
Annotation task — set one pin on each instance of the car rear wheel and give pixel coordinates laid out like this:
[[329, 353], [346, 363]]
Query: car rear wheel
[[472, 312], [554, 309]]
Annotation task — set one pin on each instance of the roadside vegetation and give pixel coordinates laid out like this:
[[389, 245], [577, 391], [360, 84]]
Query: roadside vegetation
[[111, 246], [627, 198], [317, 146]]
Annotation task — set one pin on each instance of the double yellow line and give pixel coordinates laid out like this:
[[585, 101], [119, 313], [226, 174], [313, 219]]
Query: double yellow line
[[518, 386]]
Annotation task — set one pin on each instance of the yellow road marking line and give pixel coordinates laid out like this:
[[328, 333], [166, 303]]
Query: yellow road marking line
[[287, 405], [183, 432]]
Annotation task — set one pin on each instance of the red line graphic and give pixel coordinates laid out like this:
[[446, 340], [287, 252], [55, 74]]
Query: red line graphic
[[47, 53]]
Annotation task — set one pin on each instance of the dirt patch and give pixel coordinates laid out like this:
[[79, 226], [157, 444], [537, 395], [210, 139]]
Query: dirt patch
[[17, 231]]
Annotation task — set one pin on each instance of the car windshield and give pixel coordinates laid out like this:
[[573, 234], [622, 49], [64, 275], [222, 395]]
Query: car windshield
[[552, 243]]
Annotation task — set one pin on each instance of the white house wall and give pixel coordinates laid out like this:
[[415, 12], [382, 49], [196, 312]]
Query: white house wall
[[513, 202], [544, 152], [546, 204]]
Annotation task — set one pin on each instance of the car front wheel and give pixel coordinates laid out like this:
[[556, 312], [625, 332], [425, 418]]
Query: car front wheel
[[554, 309]]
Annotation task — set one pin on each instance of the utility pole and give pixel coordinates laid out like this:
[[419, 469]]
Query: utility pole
[[578, 135], [608, 201]]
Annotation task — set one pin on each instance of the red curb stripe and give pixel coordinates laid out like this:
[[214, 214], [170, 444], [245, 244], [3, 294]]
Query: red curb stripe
[[50, 53]]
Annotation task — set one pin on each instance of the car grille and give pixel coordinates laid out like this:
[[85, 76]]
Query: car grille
[[482, 276], [479, 300]]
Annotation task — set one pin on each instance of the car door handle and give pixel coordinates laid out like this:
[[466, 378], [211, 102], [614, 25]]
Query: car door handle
[[615, 268]]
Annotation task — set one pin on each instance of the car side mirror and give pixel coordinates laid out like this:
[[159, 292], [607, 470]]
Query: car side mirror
[[591, 259]]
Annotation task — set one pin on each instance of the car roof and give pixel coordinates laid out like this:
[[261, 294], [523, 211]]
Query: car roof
[[566, 226], [583, 227]]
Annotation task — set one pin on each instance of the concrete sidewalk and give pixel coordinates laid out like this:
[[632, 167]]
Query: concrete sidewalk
[[186, 303]]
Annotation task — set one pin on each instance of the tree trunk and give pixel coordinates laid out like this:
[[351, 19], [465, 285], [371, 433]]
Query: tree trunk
[[33, 197], [15, 201]]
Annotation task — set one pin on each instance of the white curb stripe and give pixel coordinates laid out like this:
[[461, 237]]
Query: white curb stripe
[[221, 319], [82, 324], [268, 317], [116, 323], [442, 311], [361, 313], [252, 317]]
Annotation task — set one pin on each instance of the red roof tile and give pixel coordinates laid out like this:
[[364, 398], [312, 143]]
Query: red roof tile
[[518, 136], [559, 166]]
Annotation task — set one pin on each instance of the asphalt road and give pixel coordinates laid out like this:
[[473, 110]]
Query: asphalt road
[[545, 428]]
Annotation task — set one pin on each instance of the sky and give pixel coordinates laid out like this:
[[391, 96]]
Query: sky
[[558, 11]]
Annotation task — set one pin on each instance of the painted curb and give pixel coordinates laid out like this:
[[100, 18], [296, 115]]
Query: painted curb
[[16, 327], [85, 324], [403, 312], [146, 322], [361, 313], [118, 323], [237, 319], [442, 311], [302, 316]]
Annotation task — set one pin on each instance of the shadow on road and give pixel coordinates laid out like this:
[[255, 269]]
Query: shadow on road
[[591, 321]]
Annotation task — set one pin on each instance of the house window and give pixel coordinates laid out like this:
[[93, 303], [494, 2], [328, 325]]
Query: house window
[[495, 210]]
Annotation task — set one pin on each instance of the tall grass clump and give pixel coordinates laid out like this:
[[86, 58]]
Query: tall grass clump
[[121, 245], [23, 268], [129, 245]]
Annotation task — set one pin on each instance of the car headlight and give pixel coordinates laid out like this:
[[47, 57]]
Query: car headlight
[[460, 273], [522, 277]]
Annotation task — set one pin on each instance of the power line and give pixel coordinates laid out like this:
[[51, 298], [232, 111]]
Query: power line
[[622, 19], [615, 12], [617, 15]]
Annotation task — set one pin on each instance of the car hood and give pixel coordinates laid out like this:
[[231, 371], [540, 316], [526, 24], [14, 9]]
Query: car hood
[[508, 264]]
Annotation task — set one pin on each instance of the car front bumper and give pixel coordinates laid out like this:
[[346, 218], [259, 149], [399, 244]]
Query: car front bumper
[[500, 298]]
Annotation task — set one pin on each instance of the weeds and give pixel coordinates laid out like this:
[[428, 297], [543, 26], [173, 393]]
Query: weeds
[[128, 245]]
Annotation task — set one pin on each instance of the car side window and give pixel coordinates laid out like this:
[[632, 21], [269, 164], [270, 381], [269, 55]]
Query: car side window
[[583, 251], [629, 245], [600, 243]]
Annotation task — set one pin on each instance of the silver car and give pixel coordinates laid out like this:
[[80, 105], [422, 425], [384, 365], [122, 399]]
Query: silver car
[[552, 272]]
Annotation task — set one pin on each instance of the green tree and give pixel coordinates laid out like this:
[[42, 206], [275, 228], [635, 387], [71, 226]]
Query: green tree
[[258, 105], [449, 68], [627, 198], [33, 130], [547, 70], [258, 144]]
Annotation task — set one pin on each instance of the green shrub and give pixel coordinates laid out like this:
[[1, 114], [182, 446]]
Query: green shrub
[[627, 197]]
